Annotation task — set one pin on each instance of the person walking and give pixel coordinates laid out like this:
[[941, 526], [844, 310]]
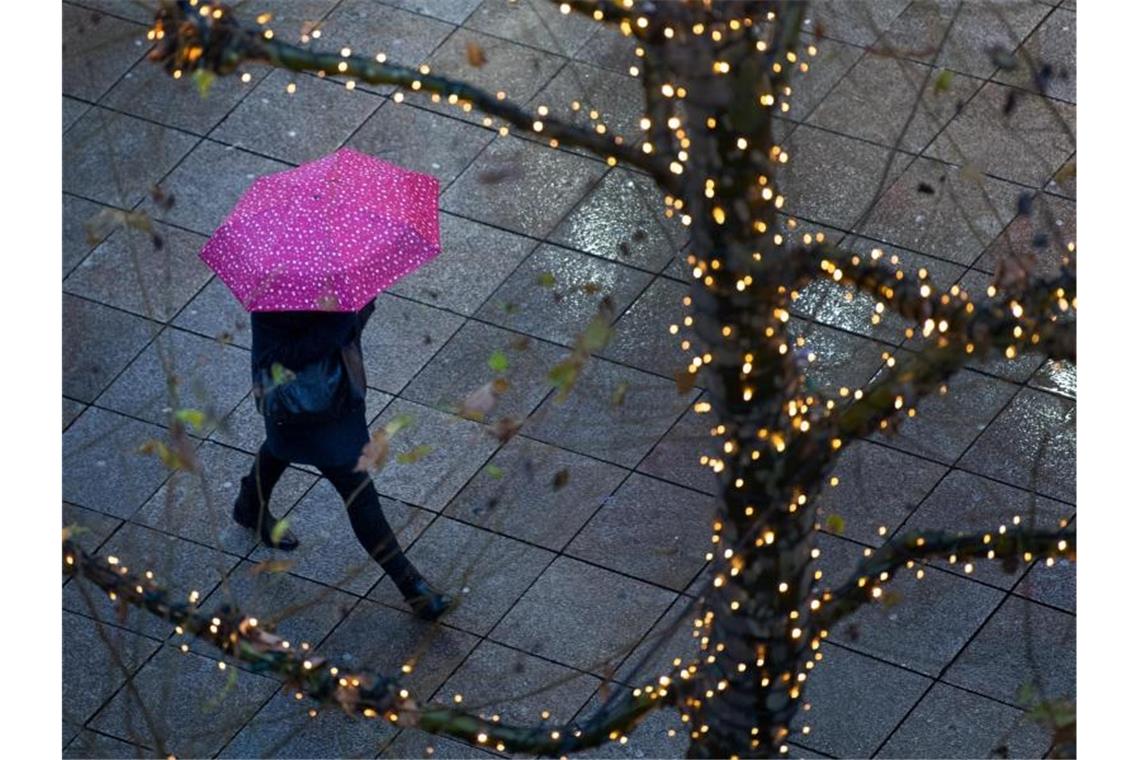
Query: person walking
[[306, 251], [293, 341]]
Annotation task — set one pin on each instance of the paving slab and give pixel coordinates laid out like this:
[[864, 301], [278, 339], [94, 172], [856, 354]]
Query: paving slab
[[99, 342]]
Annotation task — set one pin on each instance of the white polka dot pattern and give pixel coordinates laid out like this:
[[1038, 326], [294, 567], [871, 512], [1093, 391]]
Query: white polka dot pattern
[[329, 234]]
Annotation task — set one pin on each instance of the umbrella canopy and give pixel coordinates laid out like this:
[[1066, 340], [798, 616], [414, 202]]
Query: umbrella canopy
[[327, 235]]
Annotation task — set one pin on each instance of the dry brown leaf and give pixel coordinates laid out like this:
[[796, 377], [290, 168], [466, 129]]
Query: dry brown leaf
[[475, 55], [374, 453]]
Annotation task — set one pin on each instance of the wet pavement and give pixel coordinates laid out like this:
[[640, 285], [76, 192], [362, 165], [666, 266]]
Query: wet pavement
[[581, 538]]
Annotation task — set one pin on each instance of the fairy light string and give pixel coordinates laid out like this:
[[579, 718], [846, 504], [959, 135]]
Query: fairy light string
[[716, 76]]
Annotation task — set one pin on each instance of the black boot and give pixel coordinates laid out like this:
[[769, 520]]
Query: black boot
[[427, 603], [250, 513]]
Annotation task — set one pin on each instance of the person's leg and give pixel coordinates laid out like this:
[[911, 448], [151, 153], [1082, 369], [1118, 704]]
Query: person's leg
[[251, 508], [371, 527]]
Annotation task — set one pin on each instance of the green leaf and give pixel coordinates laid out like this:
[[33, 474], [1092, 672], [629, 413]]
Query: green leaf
[[280, 374], [943, 80], [563, 374], [204, 78], [597, 334], [416, 454], [494, 471], [835, 524], [618, 396], [278, 531], [498, 361], [195, 418], [398, 423], [546, 280]]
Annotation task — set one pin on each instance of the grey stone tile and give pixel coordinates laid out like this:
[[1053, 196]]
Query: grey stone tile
[[855, 702], [474, 261], [113, 158], [670, 638], [1064, 182], [1053, 44], [421, 140], [455, 450], [369, 28], [102, 468], [589, 422], [72, 110], [209, 182], [129, 272], [413, 742], [97, 50], [622, 219], [312, 122], [650, 738], [997, 662], [401, 337], [1039, 239], [967, 503], [556, 292], [295, 608], [124, 9], [329, 552], [677, 456], [582, 616], [199, 506], [462, 367], [90, 744], [178, 565], [945, 426], [829, 65], [77, 212], [957, 222], [949, 722], [290, 18], [538, 25], [670, 526], [920, 624], [209, 376], [1059, 377], [149, 92], [1056, 585], [870, 494], [198, 717], [521, 498], [1031, 444], [98, 342], [642, 335], [89, 528], [517, 70], [216, 313], [71, 410], [455, 11], [615, 100], [832, 359], [382, 639], [522, 186], [918, 32], [1026, 144], [283, 728], [93, 663], [610, 49], [517, 686], [859, 22], [831, 179], [876, 99], [485, 572]]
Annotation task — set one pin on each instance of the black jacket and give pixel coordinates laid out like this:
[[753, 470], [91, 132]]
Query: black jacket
[[294, 339]]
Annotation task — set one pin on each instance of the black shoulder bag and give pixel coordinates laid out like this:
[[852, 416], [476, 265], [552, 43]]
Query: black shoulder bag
[[319, 392]]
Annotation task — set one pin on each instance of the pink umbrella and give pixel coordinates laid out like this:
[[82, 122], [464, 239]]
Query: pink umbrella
[[327, 235]]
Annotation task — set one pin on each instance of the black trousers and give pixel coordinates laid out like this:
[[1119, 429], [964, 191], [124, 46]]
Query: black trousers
[[364, 512]]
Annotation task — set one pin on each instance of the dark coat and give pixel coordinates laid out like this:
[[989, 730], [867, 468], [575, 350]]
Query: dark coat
[[297, 338]]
